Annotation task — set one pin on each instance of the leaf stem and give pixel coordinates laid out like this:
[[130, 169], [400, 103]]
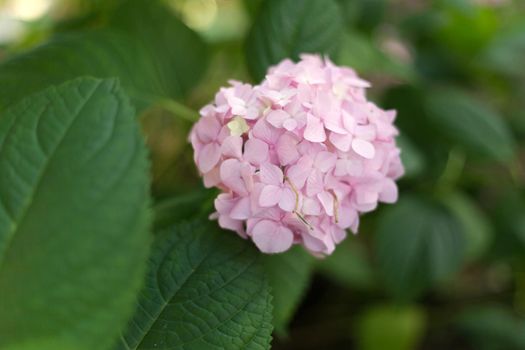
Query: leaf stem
[[178, 109]]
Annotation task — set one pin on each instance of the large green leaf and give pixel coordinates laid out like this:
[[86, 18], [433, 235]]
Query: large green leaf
[[418, 243], [471, 124], [179, 55], [100, 54], [287, 28], [73, 216], [143, 44], [476, 225], [492, 328], [289, 276], [205, 289]]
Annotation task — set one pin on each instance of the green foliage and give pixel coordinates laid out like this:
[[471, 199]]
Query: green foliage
[[349, 266], [365, 57], [205, 289], [391, 327], [492, 328], [509, 218], [475, 224], [74, 174], [363, 14], [132, 47], [289, 276], [74, 201], [295, 27], [506, 53], [412, 158], [471, 124], [179, 56], [418, 243]]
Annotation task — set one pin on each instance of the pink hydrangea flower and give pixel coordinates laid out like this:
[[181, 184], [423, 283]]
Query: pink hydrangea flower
[[298, 157]]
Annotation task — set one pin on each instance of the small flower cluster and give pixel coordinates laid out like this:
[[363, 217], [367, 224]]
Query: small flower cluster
[[298, 157]]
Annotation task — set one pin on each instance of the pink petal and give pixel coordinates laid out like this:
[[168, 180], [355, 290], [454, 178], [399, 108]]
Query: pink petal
[[247, 172], [354, 167], [325, 161], [288, 199], [224, 203], [209, 156], [228, 223], [367, 197], [287, 149], [341, 167], [255, 151], [347, 217], [277, 117], [314, 183], [338, 235], [341, 142], [207, 129], [232, 147], [230, 173], [311, 206], [290, 124], [241, 210], [332, 118], [252, 113], [212, 178], [314, 130], [349, 121], [313, 244], [363, 148], [299, 172], [389, 191], [270, 237], [358, 82], [365, 132], [264, 131], [271, 174], [270, 196], [327, 200]]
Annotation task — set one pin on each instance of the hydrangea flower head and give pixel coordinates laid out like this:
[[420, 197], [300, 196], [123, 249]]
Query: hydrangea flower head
[[298, 157]]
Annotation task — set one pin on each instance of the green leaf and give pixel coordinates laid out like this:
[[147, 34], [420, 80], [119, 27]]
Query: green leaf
[[492, 328], [206, 289], [74, 216], [510, 223], [471, 124], [476, 226], [148, 48], [418, 243], [101, 54], [506, 52], [412, 158], [289, 275], [363, 55], [169, 211], [391, 327], [179, 55], [349, 265], [288, 28]]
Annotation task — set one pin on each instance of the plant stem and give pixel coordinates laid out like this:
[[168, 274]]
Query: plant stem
[[178, 109]]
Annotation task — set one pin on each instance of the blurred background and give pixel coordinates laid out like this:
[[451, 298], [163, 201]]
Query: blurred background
[[442, 269]]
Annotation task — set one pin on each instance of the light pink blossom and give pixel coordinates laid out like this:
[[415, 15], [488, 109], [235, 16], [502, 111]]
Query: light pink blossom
[[298, 157]]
